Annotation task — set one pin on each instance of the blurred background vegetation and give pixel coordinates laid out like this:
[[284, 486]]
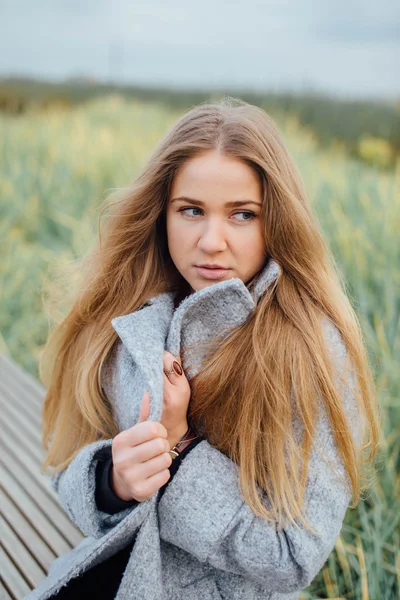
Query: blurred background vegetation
[[367, 129], [64, 147]]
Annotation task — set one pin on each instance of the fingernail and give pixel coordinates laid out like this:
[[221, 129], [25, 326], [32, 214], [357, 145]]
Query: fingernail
[[177, 368]]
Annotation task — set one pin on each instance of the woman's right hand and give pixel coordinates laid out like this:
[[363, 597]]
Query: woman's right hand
[[140, 457]]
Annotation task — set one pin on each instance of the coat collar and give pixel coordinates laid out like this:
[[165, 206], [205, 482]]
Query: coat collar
[[211, 312], [200, 318]]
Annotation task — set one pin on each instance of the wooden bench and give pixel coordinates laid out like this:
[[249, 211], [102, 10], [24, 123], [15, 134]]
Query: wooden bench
[[34, 529]]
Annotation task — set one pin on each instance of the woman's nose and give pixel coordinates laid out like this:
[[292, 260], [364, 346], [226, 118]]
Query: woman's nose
[[213, 238]]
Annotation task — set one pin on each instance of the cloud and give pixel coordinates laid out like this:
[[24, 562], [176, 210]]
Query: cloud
[[343, 45]]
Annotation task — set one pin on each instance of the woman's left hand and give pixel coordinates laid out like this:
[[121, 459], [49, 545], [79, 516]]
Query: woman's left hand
[[176, 398]]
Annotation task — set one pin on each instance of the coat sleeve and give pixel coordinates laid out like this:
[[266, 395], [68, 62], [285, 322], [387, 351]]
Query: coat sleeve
[[203, 511], [75, 486]]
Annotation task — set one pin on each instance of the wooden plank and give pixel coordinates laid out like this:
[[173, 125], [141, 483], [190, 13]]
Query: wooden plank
[[20, 556], [4, 595], [11, 412], [22, 444], [37, 518], [31, 467], [27, 534], [54, 512], [22, 375], [16, 376], [22, 402], [12, 578]]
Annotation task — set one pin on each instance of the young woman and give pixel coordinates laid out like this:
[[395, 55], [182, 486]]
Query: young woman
[[209, 396]]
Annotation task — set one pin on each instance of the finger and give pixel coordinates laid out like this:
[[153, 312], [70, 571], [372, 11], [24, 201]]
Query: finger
[[138, 434], [168, 372], [178, 360], [144, 407], [158, 479], [130, 458], [148, 450], [153, 484], [168, 359], [153, 466], [138, 470], [172, 368], [169, 376]]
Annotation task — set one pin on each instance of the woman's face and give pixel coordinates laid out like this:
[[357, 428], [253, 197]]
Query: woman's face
[[213, 220]]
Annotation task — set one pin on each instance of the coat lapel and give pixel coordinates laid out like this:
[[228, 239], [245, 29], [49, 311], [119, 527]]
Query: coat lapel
[[143, 577], [143, 333]]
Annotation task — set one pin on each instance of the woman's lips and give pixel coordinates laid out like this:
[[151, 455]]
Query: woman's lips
[[208, 273]]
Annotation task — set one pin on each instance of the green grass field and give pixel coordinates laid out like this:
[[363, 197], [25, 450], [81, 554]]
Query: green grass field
[[57, 168]]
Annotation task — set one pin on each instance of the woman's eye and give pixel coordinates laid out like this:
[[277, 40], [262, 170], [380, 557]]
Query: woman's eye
[[184, 210], [249, 215]]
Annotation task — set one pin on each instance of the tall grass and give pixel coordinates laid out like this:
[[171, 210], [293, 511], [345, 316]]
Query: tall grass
[[58, 166], [366, 129]]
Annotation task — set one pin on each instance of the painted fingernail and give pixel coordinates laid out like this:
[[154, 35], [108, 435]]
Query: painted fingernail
[[177, 368]]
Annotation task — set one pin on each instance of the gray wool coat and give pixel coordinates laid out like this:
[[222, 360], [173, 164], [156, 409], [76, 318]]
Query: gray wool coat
[[201, 540]]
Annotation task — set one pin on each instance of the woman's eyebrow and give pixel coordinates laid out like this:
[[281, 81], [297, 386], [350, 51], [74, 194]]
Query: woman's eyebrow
[[229, 204]]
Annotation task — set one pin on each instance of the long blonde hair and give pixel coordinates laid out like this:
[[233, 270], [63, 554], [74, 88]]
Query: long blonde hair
[[248, 417]]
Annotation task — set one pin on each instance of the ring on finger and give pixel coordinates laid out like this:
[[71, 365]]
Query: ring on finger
[[169, 372], [175, 368]]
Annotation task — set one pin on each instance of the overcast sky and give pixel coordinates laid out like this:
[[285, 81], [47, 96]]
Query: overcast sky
[[346, 47]]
